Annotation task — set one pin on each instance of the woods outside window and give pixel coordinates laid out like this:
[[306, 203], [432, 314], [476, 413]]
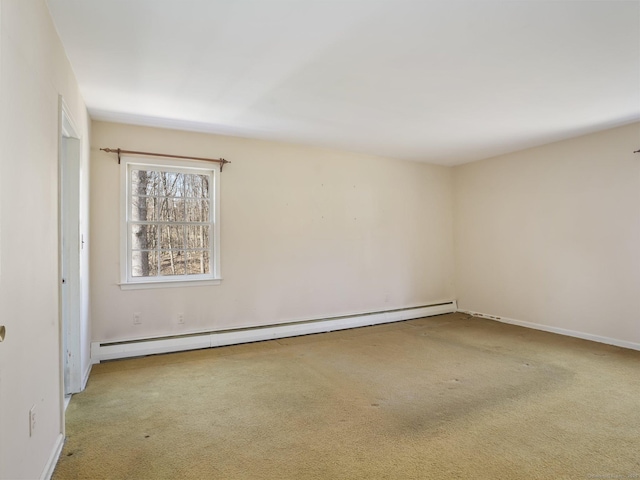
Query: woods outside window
[[170, 225]]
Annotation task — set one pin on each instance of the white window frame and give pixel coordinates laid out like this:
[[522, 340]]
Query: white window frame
[[127, 281]]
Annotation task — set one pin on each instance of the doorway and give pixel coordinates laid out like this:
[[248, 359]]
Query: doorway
[[71, 245]]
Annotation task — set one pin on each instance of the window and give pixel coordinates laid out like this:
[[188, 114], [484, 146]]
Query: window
[[170, 224]]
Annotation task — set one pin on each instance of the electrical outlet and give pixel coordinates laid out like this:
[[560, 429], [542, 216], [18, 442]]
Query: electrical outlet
[[180, 318], [32, 421], [137, 318]]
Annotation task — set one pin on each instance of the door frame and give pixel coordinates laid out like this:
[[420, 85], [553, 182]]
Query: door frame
[[69, 253]]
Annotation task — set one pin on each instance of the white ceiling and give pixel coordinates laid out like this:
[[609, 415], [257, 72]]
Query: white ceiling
[[444, 82]]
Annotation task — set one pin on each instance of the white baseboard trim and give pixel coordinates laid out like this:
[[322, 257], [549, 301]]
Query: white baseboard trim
[[47, 473], [560, 331], [85, 377], [136, 348]]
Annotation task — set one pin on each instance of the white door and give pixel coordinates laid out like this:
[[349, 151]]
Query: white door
[[70, 246]]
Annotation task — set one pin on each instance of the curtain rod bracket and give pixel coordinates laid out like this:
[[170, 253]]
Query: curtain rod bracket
[[112, 150], [221, 161]]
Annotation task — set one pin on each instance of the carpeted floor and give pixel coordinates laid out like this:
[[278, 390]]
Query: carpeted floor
[[440, 397]]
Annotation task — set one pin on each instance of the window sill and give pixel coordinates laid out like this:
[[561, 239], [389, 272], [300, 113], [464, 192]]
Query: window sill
[[170, 284]]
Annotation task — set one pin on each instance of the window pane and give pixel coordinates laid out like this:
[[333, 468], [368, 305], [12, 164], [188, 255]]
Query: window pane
[[171, 184], [197, 236], [197, 210], [144, 264], [205, 185], [172, 262], [143, 237], [191, 187], [144, 182], [171, 210], [171, 237], [143, 209], [197, 262], [196, 186]]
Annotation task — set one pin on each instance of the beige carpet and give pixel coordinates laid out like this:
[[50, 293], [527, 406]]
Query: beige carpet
[[441, 397]]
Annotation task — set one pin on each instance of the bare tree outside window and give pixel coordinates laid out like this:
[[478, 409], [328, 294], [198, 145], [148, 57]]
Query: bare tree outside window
[[170, 223]]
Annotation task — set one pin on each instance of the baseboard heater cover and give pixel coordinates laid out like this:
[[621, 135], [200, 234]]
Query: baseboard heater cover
[[152, 346]]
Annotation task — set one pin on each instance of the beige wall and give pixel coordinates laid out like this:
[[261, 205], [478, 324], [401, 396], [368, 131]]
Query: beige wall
[[33, 72], [548, 236], [551, 235], [306, 233]]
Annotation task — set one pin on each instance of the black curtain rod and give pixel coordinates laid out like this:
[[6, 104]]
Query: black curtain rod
[[119, 151]]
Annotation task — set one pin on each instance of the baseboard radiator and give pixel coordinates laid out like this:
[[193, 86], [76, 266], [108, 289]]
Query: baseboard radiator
[[152, 346]]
